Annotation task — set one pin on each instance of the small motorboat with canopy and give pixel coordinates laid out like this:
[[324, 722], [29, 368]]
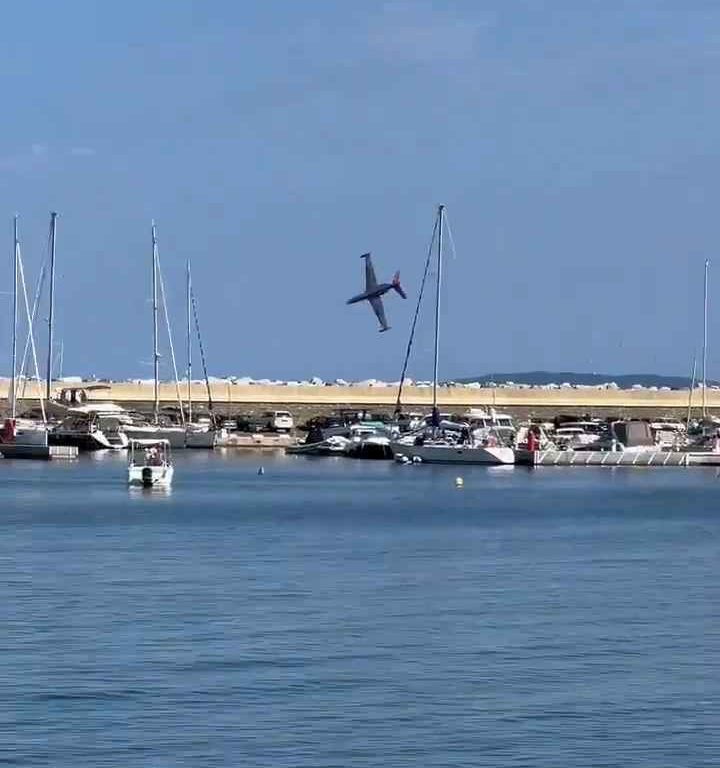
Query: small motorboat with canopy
[[149, 464]]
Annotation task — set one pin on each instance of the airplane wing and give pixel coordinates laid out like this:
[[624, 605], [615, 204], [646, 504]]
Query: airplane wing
[[370, 280], [379, 310]]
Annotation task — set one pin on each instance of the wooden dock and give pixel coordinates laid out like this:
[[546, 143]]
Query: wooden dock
[[645, 458], [38, 452]]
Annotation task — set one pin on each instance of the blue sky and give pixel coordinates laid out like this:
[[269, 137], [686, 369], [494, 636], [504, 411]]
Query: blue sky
[[574, 144]]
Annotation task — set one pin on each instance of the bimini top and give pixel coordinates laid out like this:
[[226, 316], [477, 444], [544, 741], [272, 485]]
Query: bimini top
[[147, 442]]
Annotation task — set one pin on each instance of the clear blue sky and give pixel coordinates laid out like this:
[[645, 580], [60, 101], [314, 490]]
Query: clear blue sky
[[575, 145]]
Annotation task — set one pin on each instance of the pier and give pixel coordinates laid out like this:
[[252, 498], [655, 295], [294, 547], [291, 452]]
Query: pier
[[648, 458], [40, 452]]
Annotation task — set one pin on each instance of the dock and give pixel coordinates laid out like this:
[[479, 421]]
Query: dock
[[38, 452], [645, 458], [257, 440]]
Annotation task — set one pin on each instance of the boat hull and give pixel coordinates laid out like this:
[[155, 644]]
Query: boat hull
[[201, 438], [150, 477], [175, 436], [456, 454], [88, 441]]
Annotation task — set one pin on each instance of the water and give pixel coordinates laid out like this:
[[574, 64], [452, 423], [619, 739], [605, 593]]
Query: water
[[337, 613]]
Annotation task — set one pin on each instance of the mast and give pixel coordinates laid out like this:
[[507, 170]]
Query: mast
[[51, 315], [441, 208], [188, 297], [690, 394], [705, 334], [156, 356], [13, 384]]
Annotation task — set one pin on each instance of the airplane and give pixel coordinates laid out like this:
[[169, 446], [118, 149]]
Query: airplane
[[374, 292]]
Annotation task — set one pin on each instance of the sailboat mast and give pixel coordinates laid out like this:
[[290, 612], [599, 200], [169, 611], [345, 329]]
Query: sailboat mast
[[13, 383], [156, 356], [705, 334], [189, 341], [441, 208], [690, 393], [51, 314]]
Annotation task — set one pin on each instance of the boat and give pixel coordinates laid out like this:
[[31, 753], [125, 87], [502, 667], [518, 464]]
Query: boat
[[438, 452], [201, 433], [23, 438], [369, 442], [186, 434], [149, 464], [93, 427], [449, 442], [335, 445]]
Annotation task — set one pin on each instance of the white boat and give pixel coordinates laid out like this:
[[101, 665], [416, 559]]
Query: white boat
[[149, 465], [335, 445], [93, 427], [482, 439], [436, 452], [199, 436], [143, 431]]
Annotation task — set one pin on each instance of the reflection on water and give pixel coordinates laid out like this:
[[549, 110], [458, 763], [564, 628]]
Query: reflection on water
[[337, 612]]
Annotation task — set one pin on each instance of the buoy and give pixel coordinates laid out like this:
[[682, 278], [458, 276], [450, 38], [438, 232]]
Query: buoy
[[416, 460], [261, 471], [459, 482]]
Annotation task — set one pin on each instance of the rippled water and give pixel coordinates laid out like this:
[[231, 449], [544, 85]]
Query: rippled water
[[336, 613]]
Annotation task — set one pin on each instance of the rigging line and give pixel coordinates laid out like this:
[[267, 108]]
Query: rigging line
[[398, 407], [450, 236], [30, 333], [161, 283], [202, 356], [36, 302]]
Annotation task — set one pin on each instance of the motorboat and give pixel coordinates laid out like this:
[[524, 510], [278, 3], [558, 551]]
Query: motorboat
[[368, 442], [335, 445], [92, 427], [625, 436], [149, 464], [571, 436]]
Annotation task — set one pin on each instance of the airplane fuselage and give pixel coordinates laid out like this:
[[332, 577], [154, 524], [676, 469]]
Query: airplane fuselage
[[375, 293]]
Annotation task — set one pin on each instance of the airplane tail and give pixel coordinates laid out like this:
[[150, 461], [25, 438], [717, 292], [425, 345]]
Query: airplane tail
[[396, 285]]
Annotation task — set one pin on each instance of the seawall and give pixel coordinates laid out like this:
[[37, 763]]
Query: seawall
[[232, 398]]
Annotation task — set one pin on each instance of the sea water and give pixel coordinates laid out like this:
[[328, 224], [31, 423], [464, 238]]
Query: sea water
[[339, 613]]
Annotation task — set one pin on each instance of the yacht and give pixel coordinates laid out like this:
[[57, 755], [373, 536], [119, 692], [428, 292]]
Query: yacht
[[93, 427]]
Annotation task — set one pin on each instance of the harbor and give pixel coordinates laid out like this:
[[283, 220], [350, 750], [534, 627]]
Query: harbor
[[437, 421]]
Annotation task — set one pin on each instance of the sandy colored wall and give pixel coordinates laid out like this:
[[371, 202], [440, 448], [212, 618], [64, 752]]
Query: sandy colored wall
[[385, 396]]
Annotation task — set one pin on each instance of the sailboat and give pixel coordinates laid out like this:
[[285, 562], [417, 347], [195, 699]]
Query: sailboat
[[197, 434], [141, 430], [185, 434], [446, 443], [19, 438]]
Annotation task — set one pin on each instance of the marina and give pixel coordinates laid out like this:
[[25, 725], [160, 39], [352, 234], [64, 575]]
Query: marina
[[360, 385]]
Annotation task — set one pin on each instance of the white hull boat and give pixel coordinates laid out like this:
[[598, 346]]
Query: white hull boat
[[455, 454], [149, 464], [150, 477], [178, 437], [200, 437]]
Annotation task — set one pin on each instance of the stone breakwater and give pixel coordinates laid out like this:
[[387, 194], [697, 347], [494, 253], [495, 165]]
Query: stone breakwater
[[234, 398]]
